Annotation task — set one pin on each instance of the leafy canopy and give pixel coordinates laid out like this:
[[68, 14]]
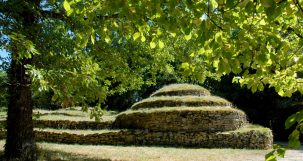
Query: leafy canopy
[[258, 40]]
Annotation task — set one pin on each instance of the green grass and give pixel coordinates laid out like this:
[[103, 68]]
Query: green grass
[[180, 89], [171, 101], [78, 132], [71, 114], [52, 152], [246, 128], [184, 108], [250, 127]]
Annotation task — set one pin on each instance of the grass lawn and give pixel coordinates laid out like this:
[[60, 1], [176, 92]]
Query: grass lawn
[[52, 151], [67, 152], [72, 114]]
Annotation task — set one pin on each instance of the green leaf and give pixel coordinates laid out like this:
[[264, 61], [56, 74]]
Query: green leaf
[[281, 92], [161, 44], [294, 141], [143, 39], [67, 8], [299, 116], [159, 32], [243, 3], [281, 152], [254, 88], [214, 3], [136, 35], [107, 39], [267, 3], [92, 38], [224, 67], [55, 97], [262, 22], [185, 65], [291, 120], [218, 36], [152, 45], [188, 37], [230, 3], [270, 156]]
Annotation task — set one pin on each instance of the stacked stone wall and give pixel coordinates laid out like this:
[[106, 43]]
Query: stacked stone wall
[[184, 119], [252, 139]]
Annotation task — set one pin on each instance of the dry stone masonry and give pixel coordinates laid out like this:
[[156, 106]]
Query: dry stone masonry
[[176, 115], [188, 115]]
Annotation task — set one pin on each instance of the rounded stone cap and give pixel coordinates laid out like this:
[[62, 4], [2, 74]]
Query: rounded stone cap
[[181, 90]]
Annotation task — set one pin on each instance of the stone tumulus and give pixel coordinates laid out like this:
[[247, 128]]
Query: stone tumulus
[[188, 115], [176, 115]]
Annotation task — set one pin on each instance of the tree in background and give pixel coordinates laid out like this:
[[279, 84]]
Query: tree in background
[[58, 52], [258, 40]]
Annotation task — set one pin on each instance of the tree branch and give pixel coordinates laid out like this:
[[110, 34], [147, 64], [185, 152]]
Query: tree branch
[[211, 20], [293, 30], [296, 2]]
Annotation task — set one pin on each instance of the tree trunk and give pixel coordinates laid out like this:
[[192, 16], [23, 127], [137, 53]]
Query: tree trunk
[[20, 141]]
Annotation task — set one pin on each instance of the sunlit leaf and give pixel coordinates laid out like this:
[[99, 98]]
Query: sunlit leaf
[[291, 120], [67, 7], [152, 45], [161, 44], [188, 37], [270, 157], [136, 35], [107, 39], [143, 39]]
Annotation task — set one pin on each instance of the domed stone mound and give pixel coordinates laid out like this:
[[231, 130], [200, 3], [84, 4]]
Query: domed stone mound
[[181, 90], [188, 115], [177, 101], [182, 107]]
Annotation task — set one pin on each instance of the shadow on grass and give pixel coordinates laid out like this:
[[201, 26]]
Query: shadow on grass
[[49, 155]]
